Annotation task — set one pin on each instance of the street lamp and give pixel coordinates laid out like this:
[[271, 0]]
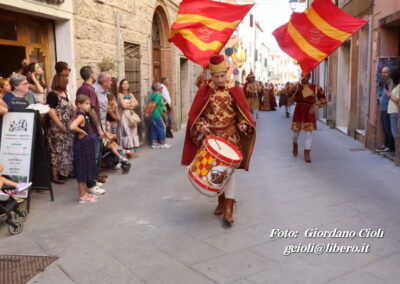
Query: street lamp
[[293, 4]]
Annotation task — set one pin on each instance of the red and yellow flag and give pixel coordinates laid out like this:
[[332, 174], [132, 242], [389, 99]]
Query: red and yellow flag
[[203, 27], [312, 36]]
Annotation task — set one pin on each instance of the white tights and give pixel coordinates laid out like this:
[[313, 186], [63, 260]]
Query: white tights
[[308, 139], [230, 187]]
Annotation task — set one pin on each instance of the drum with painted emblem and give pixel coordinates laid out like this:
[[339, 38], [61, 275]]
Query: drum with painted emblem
[[213, 165]]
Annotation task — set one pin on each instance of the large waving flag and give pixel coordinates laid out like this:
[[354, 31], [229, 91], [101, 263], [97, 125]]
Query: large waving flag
[[203, 27], [311, 36]]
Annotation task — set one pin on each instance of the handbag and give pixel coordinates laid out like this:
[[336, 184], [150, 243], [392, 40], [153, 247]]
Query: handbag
[[132, 118]]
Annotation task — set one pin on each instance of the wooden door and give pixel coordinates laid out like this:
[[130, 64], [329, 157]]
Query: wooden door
[[156, 40], [29, 32]]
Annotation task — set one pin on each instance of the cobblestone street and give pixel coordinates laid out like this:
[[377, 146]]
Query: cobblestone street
[[153, 227]]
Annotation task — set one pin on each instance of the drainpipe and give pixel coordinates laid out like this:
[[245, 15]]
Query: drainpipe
[[369, 69], [369, 52]]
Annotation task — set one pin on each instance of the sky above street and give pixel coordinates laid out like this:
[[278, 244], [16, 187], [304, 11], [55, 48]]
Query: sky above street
[[271, 14]]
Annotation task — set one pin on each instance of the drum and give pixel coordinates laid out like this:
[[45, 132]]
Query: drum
[[213, 165]]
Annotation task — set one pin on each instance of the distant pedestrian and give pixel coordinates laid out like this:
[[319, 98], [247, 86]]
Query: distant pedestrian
[[62, 68], [37, 87], [58, 135], [384, 91], [157, 124], [251, 89], [128, 127], [393, 109], [5, 87], [87, 89], [168, 105], [16, 99], [113, 115], [85, 167]]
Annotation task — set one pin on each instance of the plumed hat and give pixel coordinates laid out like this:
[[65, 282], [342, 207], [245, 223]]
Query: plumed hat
[[218, 64]]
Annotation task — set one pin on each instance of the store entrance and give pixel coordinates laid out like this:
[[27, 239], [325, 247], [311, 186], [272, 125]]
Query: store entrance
[[24, 36]]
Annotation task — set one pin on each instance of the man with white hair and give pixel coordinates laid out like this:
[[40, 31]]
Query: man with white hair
[[102, 87], [165, 94]]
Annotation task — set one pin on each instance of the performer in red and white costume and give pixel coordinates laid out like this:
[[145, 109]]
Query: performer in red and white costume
[[220, 108], [309, 98]]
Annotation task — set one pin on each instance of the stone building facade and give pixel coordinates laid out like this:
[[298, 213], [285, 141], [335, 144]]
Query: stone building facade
[[385, 51], [350, 75], [344, 75], [41, 31], [133, 35]]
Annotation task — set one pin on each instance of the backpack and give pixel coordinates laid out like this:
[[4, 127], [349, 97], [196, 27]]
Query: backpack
[[149, 109]]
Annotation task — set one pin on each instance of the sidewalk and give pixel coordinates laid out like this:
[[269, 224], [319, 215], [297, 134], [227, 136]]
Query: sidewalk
[[153, 227]]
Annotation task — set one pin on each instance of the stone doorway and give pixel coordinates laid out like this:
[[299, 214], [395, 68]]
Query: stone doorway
[[163, 62]]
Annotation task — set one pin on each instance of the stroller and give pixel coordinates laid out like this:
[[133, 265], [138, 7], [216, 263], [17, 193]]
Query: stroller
[[14, 217], [110, 161]]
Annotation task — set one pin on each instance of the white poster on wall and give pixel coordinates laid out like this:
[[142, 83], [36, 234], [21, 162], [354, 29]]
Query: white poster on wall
[[17, 135]]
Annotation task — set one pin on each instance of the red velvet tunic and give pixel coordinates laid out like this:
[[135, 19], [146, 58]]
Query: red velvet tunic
[[306, 96], [200, 110]]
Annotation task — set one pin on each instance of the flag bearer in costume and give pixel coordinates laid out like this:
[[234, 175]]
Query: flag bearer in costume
[[220, 108], [251, 89], [309, 98]]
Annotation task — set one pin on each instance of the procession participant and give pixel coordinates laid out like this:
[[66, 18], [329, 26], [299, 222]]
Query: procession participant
[[251, 89], [309, 98], [269, 102], [220, 108], [286, 102], [260, 94]]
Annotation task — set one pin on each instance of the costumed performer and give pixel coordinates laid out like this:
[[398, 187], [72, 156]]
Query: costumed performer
[[221, 109]]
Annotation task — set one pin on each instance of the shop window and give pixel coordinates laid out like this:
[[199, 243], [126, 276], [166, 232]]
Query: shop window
[[8, 30]]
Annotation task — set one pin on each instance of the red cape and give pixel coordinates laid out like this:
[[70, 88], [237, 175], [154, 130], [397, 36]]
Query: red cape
[[199, 102]]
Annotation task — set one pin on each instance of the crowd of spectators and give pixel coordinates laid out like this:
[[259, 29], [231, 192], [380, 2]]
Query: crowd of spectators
[[99, 128]]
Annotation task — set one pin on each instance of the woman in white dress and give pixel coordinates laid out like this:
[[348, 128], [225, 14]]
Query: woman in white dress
[[128, 128]]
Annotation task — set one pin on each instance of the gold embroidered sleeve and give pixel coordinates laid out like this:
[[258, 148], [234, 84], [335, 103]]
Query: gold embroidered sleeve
[[195, 132]]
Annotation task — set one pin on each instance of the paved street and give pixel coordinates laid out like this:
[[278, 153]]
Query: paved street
[[153, 227]]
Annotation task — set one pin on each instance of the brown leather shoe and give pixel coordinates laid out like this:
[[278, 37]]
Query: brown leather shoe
[[221, 202], [228, 212], [103, 175], [307, 156], [295, 149]]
